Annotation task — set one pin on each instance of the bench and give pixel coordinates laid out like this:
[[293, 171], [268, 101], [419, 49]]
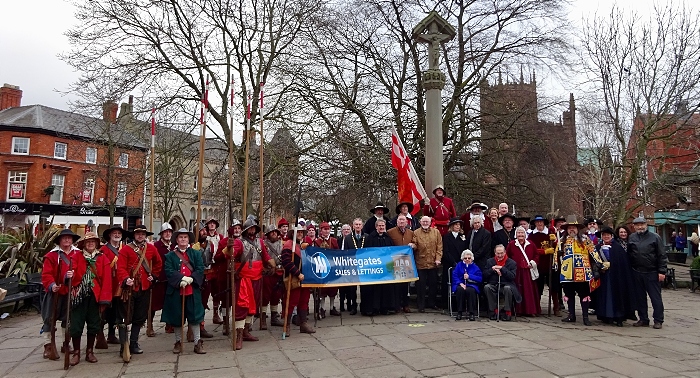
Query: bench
[[28, 293], [670, 278]]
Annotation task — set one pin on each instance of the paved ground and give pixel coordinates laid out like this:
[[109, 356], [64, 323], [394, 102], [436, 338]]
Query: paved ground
[[413, 345]]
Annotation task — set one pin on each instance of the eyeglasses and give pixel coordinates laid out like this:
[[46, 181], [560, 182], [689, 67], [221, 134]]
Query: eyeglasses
[[467, 258]]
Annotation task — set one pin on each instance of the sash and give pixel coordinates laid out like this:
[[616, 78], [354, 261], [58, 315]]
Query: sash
[[182, 259]]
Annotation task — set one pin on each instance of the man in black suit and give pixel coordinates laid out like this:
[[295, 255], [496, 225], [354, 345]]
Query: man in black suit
[[453, 243], [479, 241]]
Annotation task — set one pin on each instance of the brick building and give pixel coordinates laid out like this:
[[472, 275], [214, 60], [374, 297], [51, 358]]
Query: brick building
[[523, 160], [66, 168]]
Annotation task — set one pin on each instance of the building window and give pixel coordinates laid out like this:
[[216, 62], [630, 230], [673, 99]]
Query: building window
[[91, 155], [57, 181], [59, 150], [20, 146], [121, 194], [88, 191], [123, 160], [17, 186]]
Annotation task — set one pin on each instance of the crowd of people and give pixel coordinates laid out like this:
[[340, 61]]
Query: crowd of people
[[483, 256]]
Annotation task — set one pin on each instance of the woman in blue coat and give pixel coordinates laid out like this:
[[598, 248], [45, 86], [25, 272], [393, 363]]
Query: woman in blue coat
[[466, 277], [184, 269]]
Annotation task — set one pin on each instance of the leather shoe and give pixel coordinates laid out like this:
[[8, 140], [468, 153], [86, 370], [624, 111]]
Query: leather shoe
[[459, 316], [204, 333], [569, 319], [641, 323], [112, 339], [506, 318], [657, 325], [494, 316], [177, 348], [90, 356], [135, 349], [334, 312], [407, 310], [472, 317], [75, 358]]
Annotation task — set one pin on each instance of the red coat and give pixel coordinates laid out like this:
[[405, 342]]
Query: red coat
[[55, 269], [128, 259], [530, 304], [441, 211], [102, 282], [112, 258], [220, 262], [332, 242]]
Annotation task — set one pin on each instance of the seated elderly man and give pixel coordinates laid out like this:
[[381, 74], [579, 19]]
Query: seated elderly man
[[499, 276], [466, 277]]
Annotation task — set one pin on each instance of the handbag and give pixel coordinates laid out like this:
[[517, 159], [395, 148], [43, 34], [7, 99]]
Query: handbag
[[534, 273]]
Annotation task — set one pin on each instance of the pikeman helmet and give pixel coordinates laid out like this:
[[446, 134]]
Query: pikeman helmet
[[250, 222], [165, 227]]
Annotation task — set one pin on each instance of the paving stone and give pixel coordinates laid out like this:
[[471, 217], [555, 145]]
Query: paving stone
[[423, 359], [443, 371], [373, 329], [347, 342], [678, 346], [666, 364], [416, 328], [17, 354], [396, 342], [561, 364], [365, 357], [34, 367], [298, 341], [99, 369], [25, 342], [133, 368], [524, 374], [469, 356], [602, 374], [504, 366], [45, 374], [328, 367], [388, 371], [585, 352], [264, 362], [289, 373], [212, 360], [455, 345], [618, 350], [334, 333], [230, 372], [155, 374], [631, 368], [316, 352]]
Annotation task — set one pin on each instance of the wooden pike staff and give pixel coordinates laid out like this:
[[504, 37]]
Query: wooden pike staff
[[230, 297], [297, 210], [149, 326], [202, 137], [246, 135], [262, 201]]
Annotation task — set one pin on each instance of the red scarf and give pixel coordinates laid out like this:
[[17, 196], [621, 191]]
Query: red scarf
[[502, 262]]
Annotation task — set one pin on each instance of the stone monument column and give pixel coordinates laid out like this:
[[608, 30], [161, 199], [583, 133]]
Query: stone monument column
[[433, 30]]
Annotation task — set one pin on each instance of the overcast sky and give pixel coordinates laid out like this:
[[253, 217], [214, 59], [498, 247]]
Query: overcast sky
[[31, 37]]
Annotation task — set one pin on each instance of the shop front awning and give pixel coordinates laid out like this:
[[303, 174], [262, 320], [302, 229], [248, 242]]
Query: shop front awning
[[677, 217]]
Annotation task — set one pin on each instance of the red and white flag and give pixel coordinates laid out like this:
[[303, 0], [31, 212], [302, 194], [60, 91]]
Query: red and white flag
[[410, 188]]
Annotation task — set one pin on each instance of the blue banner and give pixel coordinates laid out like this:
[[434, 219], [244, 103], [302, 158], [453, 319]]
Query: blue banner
[[364, 266]]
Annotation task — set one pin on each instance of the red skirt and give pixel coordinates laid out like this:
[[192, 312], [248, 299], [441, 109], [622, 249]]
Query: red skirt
[[530, 304]]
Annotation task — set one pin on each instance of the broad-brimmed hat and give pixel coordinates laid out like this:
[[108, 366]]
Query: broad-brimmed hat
[[441, 187], [639, 220], [116, 227], [184, 231], [538, 218], [607, 230], [250, 222], [89, 236], [526, 219], [165, 227], [282, 222], [64, 232], [455, 220], [593, 220], [271, 228], [140, 228], [479, 204], [398, 207], [559, 219], [572, 221], [324, 225], [212, 220], [379, 206], [507, 215]]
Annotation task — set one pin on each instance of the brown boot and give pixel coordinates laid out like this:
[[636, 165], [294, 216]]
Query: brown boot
[[75, 357], [199, 347], [101, 340], [112, 337], [217, 317], [276, 320], [204, 333], [50, 352], [190, 335], [227, 327], [239, 338], [246, 334], [177, 348], [89, 355], [555, 304], [263, 321], [305, 327]]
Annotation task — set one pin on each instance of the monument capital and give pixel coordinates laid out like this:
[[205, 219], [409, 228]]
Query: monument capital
[[434, 31]]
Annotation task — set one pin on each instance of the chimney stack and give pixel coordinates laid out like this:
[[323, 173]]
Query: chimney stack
[[10, 96], [109, 111]]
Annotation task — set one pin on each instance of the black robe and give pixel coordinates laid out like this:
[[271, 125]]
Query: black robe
[[502, 237], [413, 223], [615, 297], [481, 246], [380, 298], [370, 226]]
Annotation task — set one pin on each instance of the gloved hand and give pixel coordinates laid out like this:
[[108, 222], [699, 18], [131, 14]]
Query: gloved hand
[[183, 283], [606, 265], [189, 280], [129, 281]]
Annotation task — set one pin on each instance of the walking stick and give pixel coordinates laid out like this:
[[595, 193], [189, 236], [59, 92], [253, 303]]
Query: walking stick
[[182, 319], [66, 341], [231, 310], [297, 209], [260, 306], [149, 326], [498, 300]]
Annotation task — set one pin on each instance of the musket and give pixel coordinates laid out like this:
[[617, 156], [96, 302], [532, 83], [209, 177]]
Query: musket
[[54, 316], [297, 209], [66, 341]]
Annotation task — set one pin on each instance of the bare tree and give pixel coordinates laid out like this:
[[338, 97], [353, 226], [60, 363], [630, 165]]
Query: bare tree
[[646, 78]]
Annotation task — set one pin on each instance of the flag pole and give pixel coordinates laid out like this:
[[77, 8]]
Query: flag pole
[[202, 137], [262, 177], [153, 168], [230, 158], [246, 135]]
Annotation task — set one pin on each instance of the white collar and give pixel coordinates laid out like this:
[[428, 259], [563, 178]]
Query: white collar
[[455, 234], [545, 231]]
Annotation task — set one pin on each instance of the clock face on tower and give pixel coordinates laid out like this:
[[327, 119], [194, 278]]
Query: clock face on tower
[[510, 106]]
